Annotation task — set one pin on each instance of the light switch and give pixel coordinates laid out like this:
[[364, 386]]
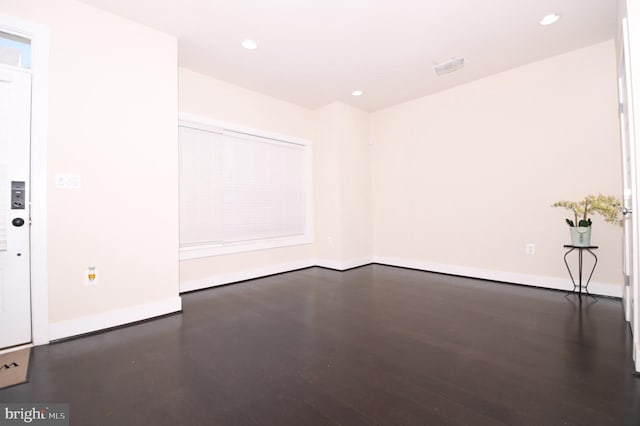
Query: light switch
[[68, 181]]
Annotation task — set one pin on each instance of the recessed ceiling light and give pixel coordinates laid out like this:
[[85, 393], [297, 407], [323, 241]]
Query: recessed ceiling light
[[250, 44], [549, 19], [357, 93]]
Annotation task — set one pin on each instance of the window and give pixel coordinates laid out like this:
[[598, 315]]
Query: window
[[15, 51], [241, 190]]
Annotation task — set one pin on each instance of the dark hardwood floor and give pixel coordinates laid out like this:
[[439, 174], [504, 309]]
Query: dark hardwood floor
[[371, 346]]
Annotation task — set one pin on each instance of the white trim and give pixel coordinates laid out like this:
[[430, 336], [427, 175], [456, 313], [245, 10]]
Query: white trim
[[39, 37], [555, 283], [6, 76], [16, 348], [626, 301], [198, 251], [221, 279], [343, 266], [329, 263], [599, 288], [205, 123], [105, 320]]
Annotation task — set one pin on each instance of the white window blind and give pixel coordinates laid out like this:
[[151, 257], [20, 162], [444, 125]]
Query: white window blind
[[201, 186], [241, 192]]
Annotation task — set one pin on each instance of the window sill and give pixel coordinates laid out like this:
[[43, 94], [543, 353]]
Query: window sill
[[208, 250]]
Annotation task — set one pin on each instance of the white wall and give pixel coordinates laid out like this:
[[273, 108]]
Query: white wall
[[355, 179], [462, 179], [112, 120], [343, 187], [327, 187]]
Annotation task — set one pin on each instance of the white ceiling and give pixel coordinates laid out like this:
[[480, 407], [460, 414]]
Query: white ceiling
[[313, 52]]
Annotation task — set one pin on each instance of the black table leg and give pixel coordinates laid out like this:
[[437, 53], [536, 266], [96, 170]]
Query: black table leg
[[579, 284], [573, 281], [595, 258]]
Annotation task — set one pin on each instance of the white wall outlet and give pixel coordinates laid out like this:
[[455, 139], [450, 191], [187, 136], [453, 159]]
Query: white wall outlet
[[530, 248], [91, 276]]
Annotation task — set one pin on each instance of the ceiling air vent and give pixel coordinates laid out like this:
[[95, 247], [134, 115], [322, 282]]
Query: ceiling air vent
[[449, 66]]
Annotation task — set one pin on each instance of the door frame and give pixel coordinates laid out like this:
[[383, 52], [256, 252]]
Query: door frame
[[39, 36]]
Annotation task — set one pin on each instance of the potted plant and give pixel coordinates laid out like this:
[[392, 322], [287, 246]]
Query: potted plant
[[580, 227]]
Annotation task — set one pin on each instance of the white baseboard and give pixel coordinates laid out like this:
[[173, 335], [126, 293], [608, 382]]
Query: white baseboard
[[627, 303], [216, 280], [91, 323], [595, 287], [343, 266], [600, 288], [222, 279], [16, 348]]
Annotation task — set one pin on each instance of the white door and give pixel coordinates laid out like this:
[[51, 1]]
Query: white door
[[630, 191], [15, 287]]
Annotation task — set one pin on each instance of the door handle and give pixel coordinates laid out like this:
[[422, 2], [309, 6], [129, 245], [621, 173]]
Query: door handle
[[18, 221], [626, 211]]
